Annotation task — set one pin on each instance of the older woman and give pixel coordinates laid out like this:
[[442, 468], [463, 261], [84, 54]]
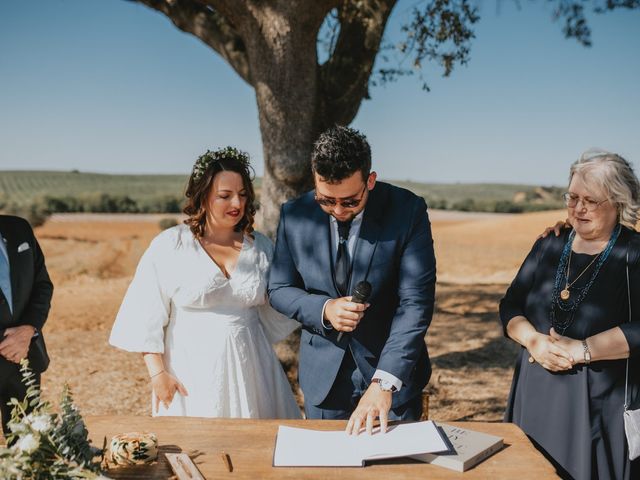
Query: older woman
[[197, 307], [568, 308]]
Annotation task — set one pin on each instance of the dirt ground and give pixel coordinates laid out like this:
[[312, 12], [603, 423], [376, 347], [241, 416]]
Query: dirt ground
[[91, 260]]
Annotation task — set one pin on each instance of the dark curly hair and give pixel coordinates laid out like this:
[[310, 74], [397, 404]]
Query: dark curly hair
[[340, 152], [207, 166]]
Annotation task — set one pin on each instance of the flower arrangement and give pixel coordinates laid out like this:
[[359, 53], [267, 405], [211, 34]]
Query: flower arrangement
[[44, 444]]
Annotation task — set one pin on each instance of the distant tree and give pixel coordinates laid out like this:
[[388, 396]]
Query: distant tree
[[507, 206], [466, 205], [273, 46]]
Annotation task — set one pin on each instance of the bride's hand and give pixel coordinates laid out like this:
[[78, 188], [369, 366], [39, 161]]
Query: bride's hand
[[165, 386]]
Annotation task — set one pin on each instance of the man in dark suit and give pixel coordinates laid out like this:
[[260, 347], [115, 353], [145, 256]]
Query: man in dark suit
[[25, 298], [357, 361]]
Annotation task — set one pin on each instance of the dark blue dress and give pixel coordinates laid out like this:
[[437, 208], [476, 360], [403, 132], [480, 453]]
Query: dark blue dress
[[575, 417]]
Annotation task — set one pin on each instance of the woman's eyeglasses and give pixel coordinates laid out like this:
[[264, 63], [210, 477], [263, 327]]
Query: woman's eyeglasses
[[347, 203], [590, 205]]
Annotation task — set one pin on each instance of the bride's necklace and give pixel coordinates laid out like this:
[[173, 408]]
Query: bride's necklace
[[565, 293]]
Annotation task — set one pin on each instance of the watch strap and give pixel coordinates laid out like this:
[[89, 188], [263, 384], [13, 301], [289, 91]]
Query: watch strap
[[384, 385]]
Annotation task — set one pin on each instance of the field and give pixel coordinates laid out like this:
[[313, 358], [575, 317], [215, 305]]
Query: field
[[28, 187], [91, 260]]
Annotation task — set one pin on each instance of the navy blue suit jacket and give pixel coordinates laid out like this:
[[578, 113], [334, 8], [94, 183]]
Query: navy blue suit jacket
[[30, 287], [394, 253]]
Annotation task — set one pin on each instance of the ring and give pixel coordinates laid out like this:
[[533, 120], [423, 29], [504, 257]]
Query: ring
[[531, 360]]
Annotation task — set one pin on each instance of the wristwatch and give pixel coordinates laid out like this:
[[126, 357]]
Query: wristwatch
[[587, 353], [384, 385]]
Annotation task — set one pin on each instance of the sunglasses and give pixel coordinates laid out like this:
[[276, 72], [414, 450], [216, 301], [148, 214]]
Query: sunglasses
[[347, 203]]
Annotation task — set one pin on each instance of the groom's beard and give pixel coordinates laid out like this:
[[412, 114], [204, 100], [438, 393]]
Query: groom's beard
[[350, 215]]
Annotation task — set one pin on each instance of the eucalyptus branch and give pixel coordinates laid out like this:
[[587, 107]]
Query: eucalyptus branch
[[44, 444]]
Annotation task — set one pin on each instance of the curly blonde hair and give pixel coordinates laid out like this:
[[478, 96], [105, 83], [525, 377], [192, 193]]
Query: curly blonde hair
[[206, 167]]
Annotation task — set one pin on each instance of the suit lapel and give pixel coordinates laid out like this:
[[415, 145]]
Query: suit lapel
[[322, 247], [368, 236]]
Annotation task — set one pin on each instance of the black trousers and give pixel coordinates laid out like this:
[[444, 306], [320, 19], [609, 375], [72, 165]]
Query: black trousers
[[11, 386]]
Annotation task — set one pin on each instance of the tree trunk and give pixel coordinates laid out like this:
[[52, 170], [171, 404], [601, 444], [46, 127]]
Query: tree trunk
[[272, 46], [283, 63]]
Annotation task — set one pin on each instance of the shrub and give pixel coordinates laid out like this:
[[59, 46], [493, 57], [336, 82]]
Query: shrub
[[161, 204], [167, 222], [438, 203], [466, 205], [507, 206], [34, 213]]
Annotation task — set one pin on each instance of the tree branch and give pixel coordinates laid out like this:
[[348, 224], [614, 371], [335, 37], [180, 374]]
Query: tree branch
[[211, 26], [344, 78]]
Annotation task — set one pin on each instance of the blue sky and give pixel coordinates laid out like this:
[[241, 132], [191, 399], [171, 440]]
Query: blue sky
[[111, 86]]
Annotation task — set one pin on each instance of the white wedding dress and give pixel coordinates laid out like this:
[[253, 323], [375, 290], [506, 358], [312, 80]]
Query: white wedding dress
[[215, 333]]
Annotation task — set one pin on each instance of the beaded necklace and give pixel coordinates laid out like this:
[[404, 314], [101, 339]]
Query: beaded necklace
[[569, 305]]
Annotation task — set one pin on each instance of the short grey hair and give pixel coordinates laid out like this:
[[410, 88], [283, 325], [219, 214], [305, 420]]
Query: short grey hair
[[612, 174]]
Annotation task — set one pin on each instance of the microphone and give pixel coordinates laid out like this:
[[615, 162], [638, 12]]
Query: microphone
[[360, 294]]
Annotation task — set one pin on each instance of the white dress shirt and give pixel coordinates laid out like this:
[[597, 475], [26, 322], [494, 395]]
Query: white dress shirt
[[356, 223]]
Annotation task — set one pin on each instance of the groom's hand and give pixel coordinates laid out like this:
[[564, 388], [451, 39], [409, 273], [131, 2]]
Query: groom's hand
[[343, 314], [374, 403]]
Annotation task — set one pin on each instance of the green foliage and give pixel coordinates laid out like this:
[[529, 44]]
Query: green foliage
[[437, 203], [35, 213], [507, 206], [61, 192], [167, 222], [465, 205], [442, 31], [161, 204], [45, 445], [24, 187], [487, 197], [35, 195]]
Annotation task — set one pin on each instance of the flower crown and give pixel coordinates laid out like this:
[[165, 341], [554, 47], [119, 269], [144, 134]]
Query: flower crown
[[205, 161]]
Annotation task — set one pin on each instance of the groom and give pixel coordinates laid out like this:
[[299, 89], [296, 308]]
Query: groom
[[357, 361]]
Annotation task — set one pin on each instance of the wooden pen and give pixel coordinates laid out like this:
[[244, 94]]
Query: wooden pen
[[185, 467], [226, 459]]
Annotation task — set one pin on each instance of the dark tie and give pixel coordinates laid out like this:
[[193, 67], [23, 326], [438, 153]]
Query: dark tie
[[342, 260]]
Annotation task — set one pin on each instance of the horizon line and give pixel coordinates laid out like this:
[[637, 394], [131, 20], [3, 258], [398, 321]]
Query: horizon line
[[385, 179]]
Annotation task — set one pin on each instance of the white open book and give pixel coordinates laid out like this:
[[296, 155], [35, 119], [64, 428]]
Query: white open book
[[300, 447]]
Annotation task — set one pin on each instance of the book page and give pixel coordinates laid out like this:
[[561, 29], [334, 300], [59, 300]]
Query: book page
[[303, 447], [402, 440], [313, 448]]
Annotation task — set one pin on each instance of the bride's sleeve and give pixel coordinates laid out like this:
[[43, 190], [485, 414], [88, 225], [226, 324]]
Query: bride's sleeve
[[276, 325], [145, 309]]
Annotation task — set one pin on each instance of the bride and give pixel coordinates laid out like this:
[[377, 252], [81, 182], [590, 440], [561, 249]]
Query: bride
[[197, 307]]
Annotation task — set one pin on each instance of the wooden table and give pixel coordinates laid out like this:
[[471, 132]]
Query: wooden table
[[250, 444]]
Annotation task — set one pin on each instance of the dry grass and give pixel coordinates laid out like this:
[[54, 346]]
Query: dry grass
[[92, 262]]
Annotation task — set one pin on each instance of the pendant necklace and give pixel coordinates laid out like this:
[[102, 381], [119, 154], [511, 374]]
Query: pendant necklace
[[561, 298], [565, 293]]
